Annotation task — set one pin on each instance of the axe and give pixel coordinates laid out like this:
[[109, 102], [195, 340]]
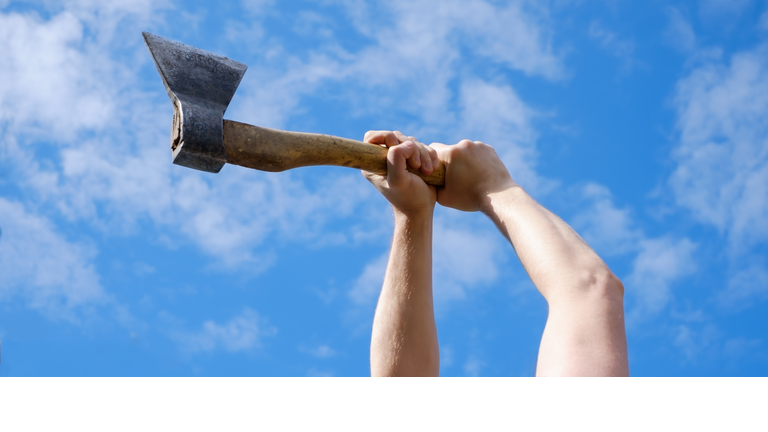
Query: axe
[[201, 85]]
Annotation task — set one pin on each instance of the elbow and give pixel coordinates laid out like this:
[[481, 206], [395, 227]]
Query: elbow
[[603, 282], [599, 280]]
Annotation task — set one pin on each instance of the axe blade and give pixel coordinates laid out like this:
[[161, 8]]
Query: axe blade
[[201, 85]]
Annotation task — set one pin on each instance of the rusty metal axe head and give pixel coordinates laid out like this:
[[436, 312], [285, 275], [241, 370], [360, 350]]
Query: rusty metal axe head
[[200, 85]]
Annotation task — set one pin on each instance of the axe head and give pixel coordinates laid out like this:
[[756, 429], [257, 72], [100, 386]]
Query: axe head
[[200, 85]]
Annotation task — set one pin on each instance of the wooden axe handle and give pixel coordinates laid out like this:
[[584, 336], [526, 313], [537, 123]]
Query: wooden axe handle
[[275, 150]]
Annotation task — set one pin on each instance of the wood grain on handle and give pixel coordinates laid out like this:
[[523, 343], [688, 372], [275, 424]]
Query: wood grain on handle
[[275, 150]]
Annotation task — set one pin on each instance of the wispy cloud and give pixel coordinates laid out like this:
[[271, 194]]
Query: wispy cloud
[[609, 230], [718, 8], [721, 152], [368, 285], [465, 257], [659, 263], [679, 33], [623, 49], [243, 332], [322, 351], [39, 265], [473, 366], [495, 114], [763, 23], [746, 287], [708, 343]]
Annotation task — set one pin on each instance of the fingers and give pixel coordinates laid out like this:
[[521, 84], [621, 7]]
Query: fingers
[[424, 158], [386, 138], [414, 161], [431, 158], [398, 158], [402, 138]]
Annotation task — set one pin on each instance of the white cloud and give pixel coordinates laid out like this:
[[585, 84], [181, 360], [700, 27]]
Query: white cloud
[[269, 95], [114, 177], [49, 80], [722, 151], [368, 285], [113, 174], [516, 33], [39, 265], [408, 65], [464, 258], [607, 229], [243, 332], [59, 75], [659, 263], [494, 114]]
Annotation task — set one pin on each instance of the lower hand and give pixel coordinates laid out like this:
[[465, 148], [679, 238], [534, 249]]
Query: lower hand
[[407, 192]]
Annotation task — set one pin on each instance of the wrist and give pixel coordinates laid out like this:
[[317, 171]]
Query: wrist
[[502, 197], [423, 214]]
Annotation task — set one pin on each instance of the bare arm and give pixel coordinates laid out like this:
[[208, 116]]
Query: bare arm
[[584, 334], [404, 339]]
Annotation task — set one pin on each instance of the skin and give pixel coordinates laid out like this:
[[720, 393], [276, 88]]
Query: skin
[[584, 334], [404, 339]]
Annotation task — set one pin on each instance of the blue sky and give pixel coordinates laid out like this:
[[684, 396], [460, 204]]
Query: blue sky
[[642, 124]]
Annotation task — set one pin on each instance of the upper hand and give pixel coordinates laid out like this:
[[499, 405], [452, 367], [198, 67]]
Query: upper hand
[[473, 170], [407, 192]]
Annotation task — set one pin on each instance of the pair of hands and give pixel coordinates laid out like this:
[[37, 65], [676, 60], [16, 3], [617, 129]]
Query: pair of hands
[[473, 171]]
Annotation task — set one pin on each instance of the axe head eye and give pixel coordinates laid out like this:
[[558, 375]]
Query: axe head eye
[[201, 85]]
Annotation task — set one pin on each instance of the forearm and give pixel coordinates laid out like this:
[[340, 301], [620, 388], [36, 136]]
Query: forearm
[[584, 335], [404, 340], [557, 259]]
